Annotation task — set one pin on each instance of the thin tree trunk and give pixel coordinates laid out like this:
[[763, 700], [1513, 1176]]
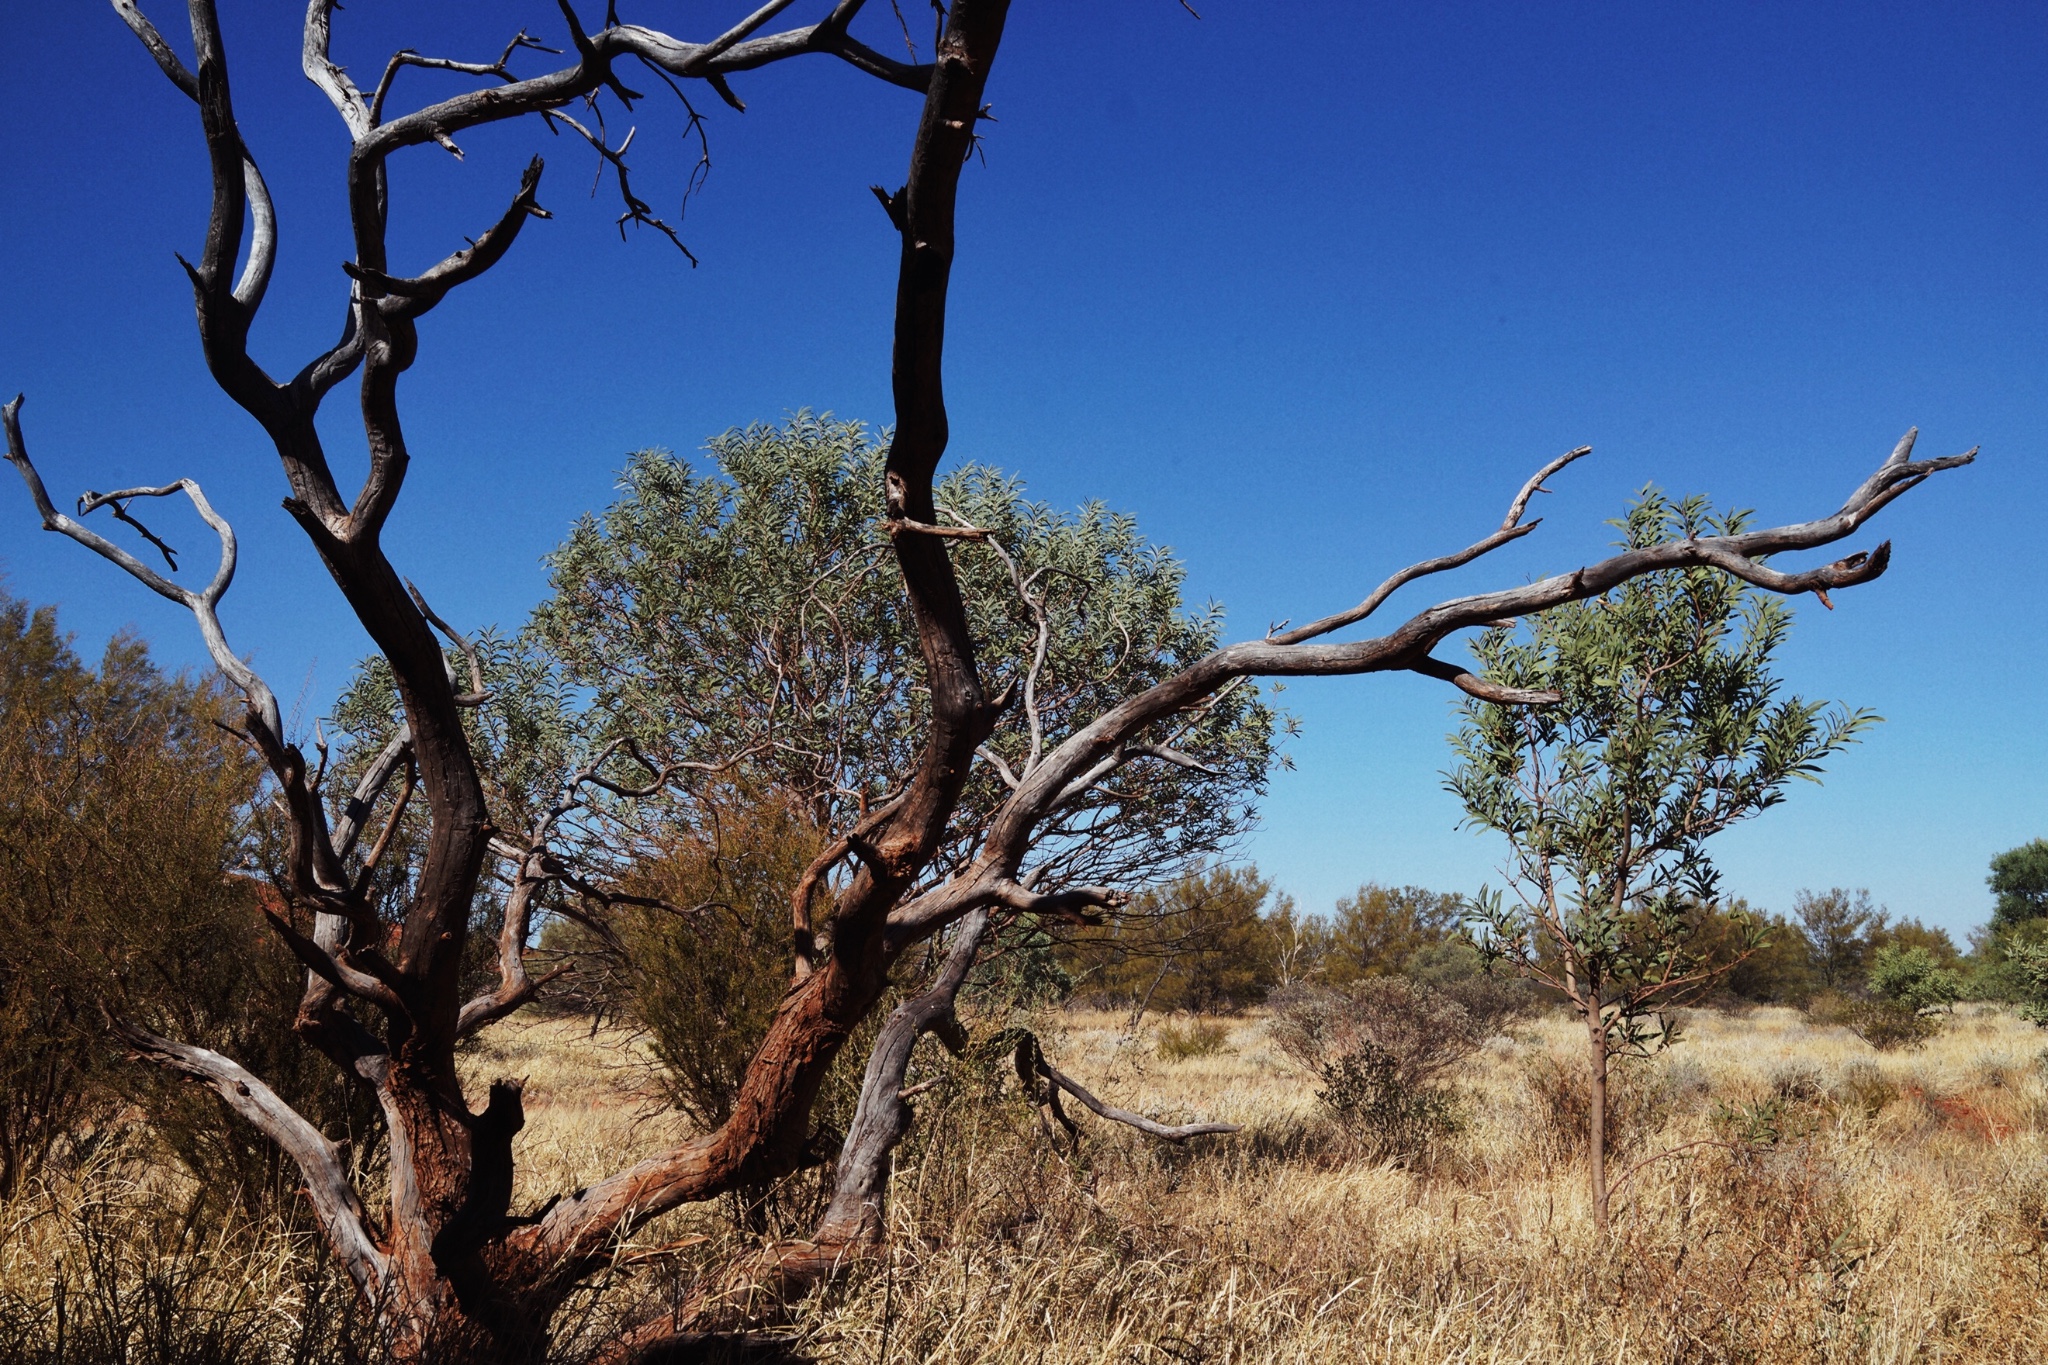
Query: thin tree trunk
[[1596, 1071]]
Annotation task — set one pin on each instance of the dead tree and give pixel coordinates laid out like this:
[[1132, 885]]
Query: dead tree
[[449, 1271]]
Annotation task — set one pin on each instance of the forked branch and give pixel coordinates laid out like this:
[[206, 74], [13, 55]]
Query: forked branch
[[1511, 528], [203, 603], [1408, 646]]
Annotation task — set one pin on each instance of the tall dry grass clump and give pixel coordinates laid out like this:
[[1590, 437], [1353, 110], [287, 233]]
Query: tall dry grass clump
[[1785, 1194], [118, 1259]]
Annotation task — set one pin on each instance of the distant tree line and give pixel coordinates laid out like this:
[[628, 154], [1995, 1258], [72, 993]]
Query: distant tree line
[[1221, 939]]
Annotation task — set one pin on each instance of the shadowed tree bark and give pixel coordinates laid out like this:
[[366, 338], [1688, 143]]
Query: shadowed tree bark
[[448, 1270]]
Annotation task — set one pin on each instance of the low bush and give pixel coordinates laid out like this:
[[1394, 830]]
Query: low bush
[[1180, 1042], [1367, 1093], [1886, 1025], [1380, 1047], [1422, 1030]]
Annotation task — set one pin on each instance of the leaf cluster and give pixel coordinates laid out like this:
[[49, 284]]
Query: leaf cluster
[[1672, 725]]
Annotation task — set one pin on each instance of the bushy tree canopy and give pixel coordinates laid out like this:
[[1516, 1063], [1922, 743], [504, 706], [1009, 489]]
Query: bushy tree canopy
[[1669, 728], [1838, 926], [2019, 879], [125, 816], [746, 613], [1213, 939], [750, 608], [1376, 930]]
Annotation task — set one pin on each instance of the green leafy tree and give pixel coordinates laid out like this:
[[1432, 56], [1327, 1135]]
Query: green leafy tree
[[1840, 928], [1376, 930], [1911, 933], [753, 607], [745, 618], [1765, 956], [1906, 993], [2019, 880], [2027, 963], [1207, 941], [126, 815], [1667, 727]]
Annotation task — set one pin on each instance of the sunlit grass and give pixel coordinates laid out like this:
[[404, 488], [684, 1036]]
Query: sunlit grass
[[1899, 1215]]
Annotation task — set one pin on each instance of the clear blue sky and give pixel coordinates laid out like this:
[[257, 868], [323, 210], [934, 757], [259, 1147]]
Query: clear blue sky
[[1308, 288]]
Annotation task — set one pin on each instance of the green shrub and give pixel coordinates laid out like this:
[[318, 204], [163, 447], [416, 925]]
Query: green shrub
[[1179, 1042], [1911, 979], [1864, 1088], [1368, 1093], [2027, 969], [1910, 995]]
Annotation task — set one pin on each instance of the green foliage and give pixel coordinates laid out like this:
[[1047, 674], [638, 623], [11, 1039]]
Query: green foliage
[[756, 606], [1183, 1040], [1367, 1093], [1911, 933], [1909, 986], [1762, 957], [1024, 970], [2027, 963], [1839, 927], [1380, 1045], [2019, 879], [1377, 930], [1456, 969], [752, 608], [1198, 944], [1881, 1023], [125, 813], [1671, 727], [1913, 978], [1756, 1123]]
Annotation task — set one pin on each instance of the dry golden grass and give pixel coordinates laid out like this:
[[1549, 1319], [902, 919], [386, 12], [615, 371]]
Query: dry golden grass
[[1911, 1233], [1899, 1215]]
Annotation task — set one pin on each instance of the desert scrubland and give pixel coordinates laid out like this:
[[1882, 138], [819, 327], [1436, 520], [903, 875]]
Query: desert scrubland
[[1825, 1202]]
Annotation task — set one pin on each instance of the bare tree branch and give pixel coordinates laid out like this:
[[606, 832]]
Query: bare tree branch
[[391, 822], [396, 753], [412, 297], [203, 604], [515, 987], [1511, 528], [407, 57], [1031, 1056], [333, 968], [478, 694], [1408, 646], [320, 1162]]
